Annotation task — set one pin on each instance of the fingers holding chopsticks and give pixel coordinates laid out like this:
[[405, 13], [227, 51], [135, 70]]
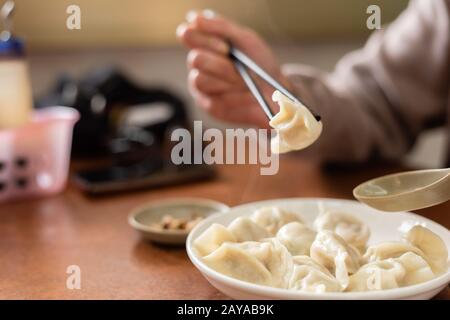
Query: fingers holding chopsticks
[[213, 64], [214, 81], [192, 38], [210, 84], [210, 69], [214, 24]]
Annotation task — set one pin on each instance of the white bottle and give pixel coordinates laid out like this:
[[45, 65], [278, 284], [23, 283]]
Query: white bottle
[[15, 89]]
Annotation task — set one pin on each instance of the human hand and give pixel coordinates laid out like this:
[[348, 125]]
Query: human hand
[[213, 80]]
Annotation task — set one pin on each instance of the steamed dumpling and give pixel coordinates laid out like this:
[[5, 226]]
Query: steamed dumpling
[[406, 270], [431, 245], [331, 251], [417, 269], [233, 261], [407, 254], [212, 238], [419, 240], [269, 260], [296, 237], [273, 218], [274, 257], [244, 229], [296, 127], [310, 276], [306, 260], [377, 275], [390, 249], [351, 229]]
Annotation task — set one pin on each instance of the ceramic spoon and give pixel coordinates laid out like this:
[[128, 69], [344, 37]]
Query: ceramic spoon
[[406, 191]]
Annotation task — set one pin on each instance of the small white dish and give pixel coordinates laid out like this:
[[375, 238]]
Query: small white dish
[[383, 226], [143, 218]]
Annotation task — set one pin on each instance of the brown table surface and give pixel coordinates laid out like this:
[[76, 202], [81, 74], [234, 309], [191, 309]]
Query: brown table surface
[[39, 239]]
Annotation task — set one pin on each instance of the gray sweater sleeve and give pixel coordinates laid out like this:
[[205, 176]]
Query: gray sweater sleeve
[[378, 99]]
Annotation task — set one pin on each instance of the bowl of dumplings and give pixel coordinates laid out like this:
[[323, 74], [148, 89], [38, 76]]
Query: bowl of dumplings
[[320, 249]]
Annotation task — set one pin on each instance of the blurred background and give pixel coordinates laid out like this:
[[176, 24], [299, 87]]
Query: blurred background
[[138, 36]]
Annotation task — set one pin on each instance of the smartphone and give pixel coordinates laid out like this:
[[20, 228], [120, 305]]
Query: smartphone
[[146, 174]]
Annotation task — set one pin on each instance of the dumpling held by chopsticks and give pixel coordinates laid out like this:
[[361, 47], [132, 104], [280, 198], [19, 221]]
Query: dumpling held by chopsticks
[[295, 125]]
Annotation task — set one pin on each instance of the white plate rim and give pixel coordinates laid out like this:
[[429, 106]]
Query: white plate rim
[[396, 293]]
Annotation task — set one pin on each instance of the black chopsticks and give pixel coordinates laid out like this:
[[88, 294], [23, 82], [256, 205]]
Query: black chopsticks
[[241, 62], [253, 88]]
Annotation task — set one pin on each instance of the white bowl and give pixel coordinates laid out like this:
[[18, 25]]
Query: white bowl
[[383, 227]]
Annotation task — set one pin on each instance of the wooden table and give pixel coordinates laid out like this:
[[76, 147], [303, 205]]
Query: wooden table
[[39, 239]]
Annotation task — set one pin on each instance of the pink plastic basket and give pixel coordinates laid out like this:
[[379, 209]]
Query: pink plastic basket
[[34, 159]]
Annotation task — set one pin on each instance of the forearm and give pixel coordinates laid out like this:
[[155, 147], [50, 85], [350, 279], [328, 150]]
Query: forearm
[[353, 131], [379, 98]]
